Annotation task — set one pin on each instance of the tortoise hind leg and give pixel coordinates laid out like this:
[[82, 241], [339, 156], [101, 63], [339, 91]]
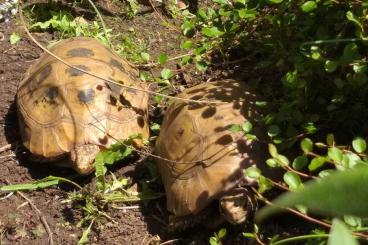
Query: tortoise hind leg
[[83, 158]]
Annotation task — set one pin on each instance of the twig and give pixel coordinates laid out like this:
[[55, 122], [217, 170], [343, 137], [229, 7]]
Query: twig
[[5, 148], [7, 196], [126, 207], [170, 241], [288, 168], [40, 216], [304, 216], [105, 79]]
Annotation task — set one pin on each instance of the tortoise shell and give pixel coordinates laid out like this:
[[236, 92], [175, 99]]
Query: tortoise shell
[[61, 108], [204, 158]]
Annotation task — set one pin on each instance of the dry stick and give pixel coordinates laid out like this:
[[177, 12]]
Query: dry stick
[[5, 148], [168, 60], [40, 215], [170, 241], [105, 79]]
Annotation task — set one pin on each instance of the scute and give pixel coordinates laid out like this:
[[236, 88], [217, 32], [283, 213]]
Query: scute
[[207, 159], [61, 108]]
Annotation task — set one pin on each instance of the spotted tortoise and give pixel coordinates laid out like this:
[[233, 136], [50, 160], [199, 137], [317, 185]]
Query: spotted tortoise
[[67, 114], [204, 159]]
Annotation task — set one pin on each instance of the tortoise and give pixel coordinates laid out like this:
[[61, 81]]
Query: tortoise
[[201, 160], [67, 114]]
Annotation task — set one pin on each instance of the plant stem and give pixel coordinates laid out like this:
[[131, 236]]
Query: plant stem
[[298, 238]]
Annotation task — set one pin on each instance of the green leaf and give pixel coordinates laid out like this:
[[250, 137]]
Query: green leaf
[[14, 38], [145, 56], [187, 44], [275, 1], [273, 130], [212, 32], [235, 128], [222, 233], [340, 234], [272, 150], [340, 193], [41, 184], [252, 172], [84, 238], [247, 127], [271, 162], [330, 139], [222, 2], [166, 73], [335, 154], [351, 52], [282, 160], [293, 180], [188, 28], [306, 145], [247, 13], [308, 6], [201, 66], [350, 16], [264, 184], [300, 162], [330, 66], [162, 59], [359, 144], [316, 163]]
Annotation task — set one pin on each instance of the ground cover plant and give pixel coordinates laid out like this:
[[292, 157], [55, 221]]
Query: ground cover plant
[[307, 60]]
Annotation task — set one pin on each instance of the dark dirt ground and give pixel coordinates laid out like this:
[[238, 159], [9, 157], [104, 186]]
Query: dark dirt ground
[[19, 222]]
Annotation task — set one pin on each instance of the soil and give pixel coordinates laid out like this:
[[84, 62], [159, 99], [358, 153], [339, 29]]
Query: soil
[[20, 223]]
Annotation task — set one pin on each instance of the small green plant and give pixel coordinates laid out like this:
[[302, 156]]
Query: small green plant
[[217, 238]]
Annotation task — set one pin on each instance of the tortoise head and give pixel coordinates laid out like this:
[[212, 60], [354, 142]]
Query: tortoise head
[[83, 158], [238, 205]]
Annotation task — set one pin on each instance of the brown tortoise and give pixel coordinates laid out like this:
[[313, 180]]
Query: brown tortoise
[[64, 112], [206, 160]]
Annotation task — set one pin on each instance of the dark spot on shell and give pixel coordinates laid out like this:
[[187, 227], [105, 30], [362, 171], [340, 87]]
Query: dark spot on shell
[[220, 129], [224, 140], [113, 100], [114, 88], [140, 121], [124, 101], [219, 117], [74, 72], [99, 87], [117, 64], [120, 108], [46, 71], [209, 112], [80, 52], [86, 96], [103, 140], [52, 93]]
